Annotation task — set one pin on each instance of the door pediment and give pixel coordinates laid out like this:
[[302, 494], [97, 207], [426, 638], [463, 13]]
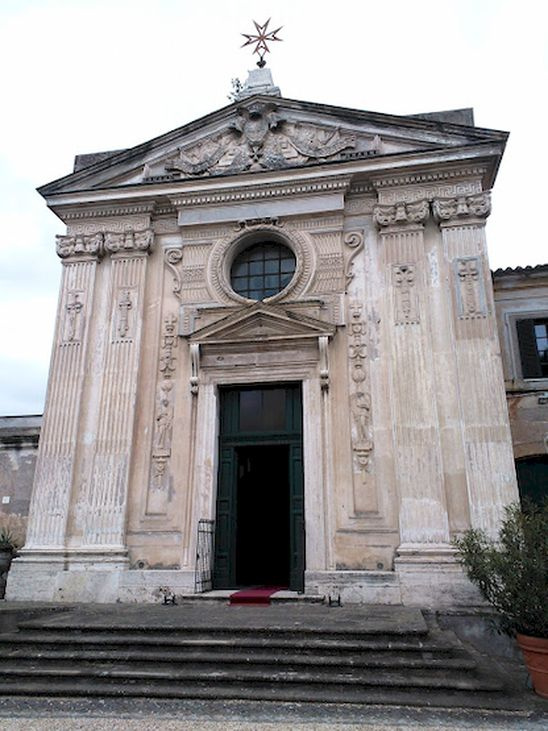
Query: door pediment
[[260, 323]]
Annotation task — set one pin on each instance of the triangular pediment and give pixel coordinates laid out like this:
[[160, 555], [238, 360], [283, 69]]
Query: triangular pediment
[[259, 323], [266, 134]]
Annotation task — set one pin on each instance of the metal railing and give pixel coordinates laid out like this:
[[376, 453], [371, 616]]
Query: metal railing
[[203, 575]]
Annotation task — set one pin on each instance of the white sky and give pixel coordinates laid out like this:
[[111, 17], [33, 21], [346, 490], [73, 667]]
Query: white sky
[[88, 75]]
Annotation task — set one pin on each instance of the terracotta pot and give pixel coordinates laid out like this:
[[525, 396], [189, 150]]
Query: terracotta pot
[[535, 654]]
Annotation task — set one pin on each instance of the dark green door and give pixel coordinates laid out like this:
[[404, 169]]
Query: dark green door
[[259, 534]]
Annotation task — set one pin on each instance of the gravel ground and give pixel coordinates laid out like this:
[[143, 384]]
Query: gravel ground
[[20, 714]]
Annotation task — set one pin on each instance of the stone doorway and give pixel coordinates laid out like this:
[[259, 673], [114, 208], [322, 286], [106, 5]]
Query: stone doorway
[[259, 536]]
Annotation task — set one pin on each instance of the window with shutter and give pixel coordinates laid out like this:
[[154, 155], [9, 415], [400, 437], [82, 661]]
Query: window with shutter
[[533, 347]]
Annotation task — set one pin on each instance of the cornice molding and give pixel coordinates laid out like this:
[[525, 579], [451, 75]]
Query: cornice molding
[[106, 211], [428, 177], [262, 192]]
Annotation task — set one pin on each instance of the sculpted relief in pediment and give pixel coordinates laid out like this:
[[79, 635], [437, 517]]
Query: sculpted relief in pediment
[[261, 138]]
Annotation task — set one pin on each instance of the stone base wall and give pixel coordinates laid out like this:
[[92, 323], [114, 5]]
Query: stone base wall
[[436, 586]]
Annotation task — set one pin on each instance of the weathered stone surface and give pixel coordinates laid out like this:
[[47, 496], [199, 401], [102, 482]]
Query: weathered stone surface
[[388, 325]]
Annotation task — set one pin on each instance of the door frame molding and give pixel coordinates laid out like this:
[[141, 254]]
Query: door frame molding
[[202, 492]]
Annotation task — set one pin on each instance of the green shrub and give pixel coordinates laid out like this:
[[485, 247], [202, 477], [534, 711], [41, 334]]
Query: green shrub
[[512, 573]]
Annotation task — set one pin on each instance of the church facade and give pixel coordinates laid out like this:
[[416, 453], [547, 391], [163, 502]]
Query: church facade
[[276, 361]]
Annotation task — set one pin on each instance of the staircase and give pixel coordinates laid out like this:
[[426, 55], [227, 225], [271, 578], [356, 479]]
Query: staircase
[[366, 655]]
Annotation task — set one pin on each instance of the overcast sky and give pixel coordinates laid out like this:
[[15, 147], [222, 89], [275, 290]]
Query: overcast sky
[[87, 75]]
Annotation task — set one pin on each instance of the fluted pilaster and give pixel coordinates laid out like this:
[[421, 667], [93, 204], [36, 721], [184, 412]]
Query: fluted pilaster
[[105, 499], [423, 512], [489, 461], [54, 473]]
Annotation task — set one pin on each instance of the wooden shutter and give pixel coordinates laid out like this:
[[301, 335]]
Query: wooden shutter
[[530, 363]]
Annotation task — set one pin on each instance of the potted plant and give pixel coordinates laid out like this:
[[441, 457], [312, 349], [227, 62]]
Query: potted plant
[[8, 547], [512, 575]]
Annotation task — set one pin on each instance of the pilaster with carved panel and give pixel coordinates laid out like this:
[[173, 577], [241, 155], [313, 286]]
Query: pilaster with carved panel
[[55, 468], [489, 461], [417, 451], [105, 493]]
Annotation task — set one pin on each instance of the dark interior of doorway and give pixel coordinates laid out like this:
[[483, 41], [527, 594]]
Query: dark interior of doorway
[[262, 533]]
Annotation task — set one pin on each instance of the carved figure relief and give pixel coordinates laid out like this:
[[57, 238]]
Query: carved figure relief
[[406, 310], [360, 398], [158, 492], [471, 299]]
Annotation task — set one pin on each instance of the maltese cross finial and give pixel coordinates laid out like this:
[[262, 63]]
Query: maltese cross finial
[[260, 39]]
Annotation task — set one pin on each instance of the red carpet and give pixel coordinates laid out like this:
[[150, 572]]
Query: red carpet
[[258, 596]]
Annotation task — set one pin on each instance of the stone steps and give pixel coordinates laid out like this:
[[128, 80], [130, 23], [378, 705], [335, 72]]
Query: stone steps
[[264, 691], [345, 658], [238, 659]]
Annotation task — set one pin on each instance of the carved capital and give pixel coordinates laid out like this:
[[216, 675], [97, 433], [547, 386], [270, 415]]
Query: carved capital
[[129, 242], [86, 246], [455, 209], [401, 214]]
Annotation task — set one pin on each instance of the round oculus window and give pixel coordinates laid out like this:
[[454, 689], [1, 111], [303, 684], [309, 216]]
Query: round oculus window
[[262, 270]]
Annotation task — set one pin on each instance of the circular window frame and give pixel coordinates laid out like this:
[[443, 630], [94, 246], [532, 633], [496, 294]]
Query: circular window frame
[[253, 241], [225, 252]]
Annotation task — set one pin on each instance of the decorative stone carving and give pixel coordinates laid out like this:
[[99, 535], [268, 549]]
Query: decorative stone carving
[[172, 257], [406, 311], [96, 244], [471, 301], [158, 492], [79, 246], [354, 240], [169, 343], [259, 138], [114, 218], [323, 344], [129, 241], [73, 309], [217, 273], [250, 223], [195, 367], [164, 420], [473, 206], [321, 144], [125, 304], [360, 398], [401, 213]]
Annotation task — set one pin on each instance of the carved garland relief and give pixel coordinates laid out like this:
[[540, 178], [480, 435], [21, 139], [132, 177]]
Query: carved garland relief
[[360, 398], [158, 492]]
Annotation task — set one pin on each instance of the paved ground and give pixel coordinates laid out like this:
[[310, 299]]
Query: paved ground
[[133, 715]]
